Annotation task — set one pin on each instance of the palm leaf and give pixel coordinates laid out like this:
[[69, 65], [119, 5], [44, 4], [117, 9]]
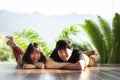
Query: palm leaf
[[72, 31], [116, 39], [67, 32], [27, 36], [96, 37], [106, 32], [6, 53]]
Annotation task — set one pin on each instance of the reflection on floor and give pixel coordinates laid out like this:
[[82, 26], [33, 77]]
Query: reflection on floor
[[9, 71]]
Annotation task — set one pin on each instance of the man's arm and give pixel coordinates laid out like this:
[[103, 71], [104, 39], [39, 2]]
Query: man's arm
[[78, 65], [55, 65]]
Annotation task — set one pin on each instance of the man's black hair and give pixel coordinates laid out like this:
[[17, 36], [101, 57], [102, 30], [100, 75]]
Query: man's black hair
[[63, 44]]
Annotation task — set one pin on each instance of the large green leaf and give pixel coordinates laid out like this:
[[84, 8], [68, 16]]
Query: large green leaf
[[115, 56], [27, 36], [67, 32], [107, 34], [6, 53], [96, 37]]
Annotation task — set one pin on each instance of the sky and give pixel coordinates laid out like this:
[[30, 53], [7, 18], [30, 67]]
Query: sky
[[105, 8]]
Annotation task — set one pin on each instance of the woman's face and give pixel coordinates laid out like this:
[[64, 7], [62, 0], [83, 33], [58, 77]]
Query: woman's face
[[65, 54], [35, 56]]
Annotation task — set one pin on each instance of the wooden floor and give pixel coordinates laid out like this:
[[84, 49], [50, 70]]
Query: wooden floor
[[9, 71]]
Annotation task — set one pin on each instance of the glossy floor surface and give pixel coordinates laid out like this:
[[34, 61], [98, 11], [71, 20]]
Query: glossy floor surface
[[9, 71]]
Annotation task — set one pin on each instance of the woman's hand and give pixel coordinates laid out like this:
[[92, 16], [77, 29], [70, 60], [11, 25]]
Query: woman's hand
[[39, 65], [29, 66]]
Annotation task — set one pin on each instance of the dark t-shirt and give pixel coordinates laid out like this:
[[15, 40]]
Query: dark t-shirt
[[75, 57]]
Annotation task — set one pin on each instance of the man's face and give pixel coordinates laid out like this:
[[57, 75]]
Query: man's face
[[65, 54]]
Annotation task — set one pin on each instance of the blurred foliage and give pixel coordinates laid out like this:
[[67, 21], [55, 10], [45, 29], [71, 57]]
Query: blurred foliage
[[6, 53], [67, 32], [73, 30], [104, 38], [27, 36], [115, 51]]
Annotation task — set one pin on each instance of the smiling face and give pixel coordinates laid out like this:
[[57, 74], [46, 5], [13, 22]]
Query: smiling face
[[65, 54], [35, 56]]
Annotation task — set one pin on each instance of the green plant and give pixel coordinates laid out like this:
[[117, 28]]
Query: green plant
[[104, 38], [115, 56], [27, 36], [6, 53], [68, 32], [73, 30]]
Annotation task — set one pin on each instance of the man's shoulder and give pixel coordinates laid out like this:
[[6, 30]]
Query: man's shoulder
[[54, 54], [77, 51], [54, 51]]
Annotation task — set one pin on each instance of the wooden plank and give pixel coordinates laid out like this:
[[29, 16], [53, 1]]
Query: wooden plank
[[10, 71]]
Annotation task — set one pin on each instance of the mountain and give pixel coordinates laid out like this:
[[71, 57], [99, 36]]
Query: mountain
[[49, 27]]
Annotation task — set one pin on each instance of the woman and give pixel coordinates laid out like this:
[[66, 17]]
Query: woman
[[32, 58]]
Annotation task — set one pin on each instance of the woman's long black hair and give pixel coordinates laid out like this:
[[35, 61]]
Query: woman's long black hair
[[33, 47]]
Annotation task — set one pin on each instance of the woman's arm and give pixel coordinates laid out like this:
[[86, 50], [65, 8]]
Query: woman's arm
[[56, 65], [40, 65], [28, 66]]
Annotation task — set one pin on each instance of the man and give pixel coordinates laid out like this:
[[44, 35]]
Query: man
[[65, 57]]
